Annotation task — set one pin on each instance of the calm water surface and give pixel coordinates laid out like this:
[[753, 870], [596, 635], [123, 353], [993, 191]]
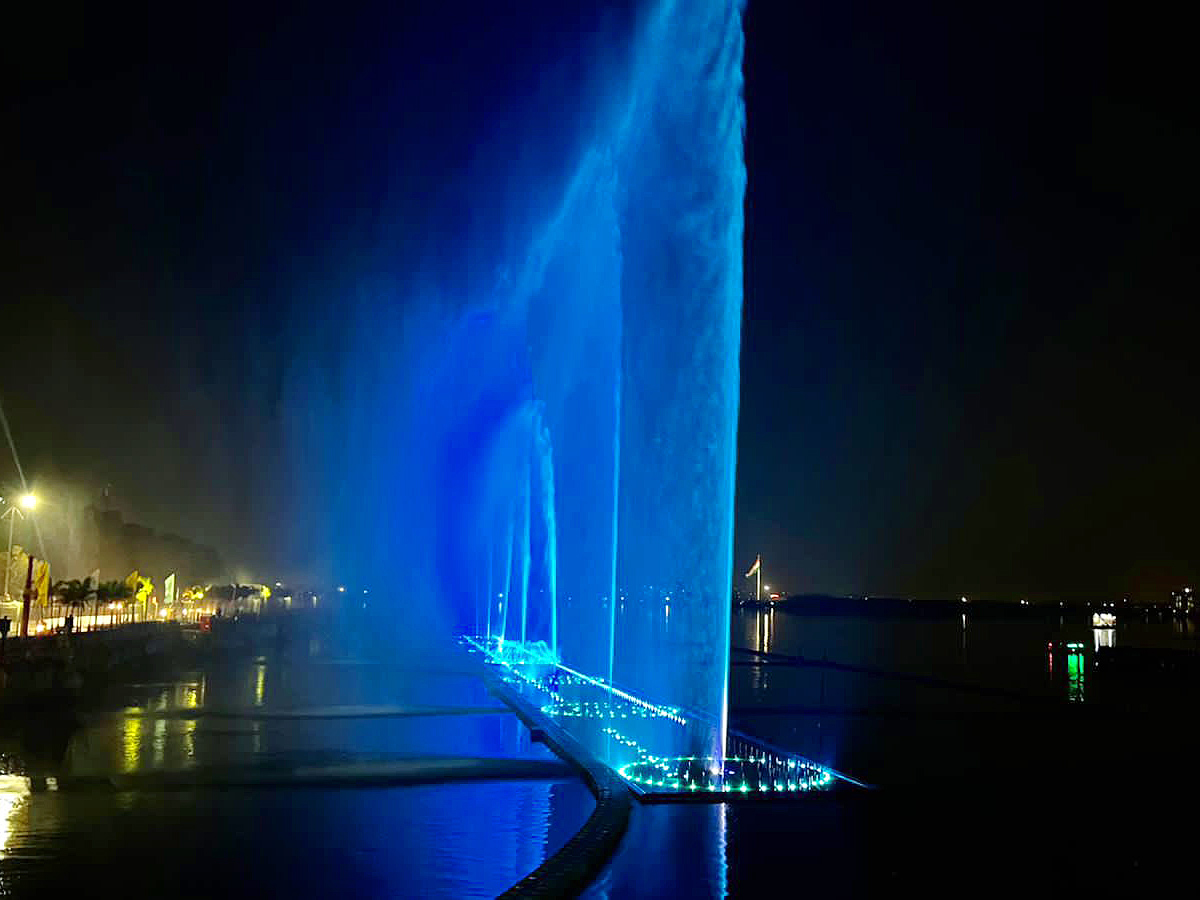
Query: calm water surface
[[471, 839], [987, 776], [985, 772]]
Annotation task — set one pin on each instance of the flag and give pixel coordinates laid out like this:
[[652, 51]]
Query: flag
[[754, 568], [18, 566], [41, 581]]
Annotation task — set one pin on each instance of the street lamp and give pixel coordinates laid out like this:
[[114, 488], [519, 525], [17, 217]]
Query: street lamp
[[29, 501]]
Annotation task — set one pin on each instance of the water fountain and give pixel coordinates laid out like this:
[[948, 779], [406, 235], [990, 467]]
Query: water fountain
[[629, 307], [613, 463], [560, 476]]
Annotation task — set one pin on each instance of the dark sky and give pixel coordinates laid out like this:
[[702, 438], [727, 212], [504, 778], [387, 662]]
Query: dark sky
[[968, 361]]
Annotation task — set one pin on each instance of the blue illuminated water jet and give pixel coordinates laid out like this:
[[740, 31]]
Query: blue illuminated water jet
[[622, 323], [562, 435], [549, 533]]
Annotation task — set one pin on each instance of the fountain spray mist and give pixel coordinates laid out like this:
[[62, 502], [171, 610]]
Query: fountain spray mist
[[572, 416]]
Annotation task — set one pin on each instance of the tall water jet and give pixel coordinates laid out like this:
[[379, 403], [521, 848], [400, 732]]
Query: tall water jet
[[508, 561], [545, 460], [684, 181], [614, 595], [572, 294], [578, 406], [488, 596], [524, 510], [626, 310]]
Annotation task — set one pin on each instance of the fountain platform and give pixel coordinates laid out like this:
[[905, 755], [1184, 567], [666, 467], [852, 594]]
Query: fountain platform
[[654, 749]]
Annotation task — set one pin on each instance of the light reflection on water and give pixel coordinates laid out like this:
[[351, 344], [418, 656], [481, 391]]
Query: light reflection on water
[[671, 850], [260, 683], [930, 695], [149, 728], [457, 839], [996, 653], [160, 741], [131, 745], [897, 733], [14, 801]]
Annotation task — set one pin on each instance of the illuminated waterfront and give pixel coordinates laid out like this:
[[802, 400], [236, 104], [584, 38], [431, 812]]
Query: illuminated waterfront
[[136, 787], [384, 382], [149, 762]]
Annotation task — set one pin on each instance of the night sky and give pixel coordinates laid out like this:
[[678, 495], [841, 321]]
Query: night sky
[[968, 362]]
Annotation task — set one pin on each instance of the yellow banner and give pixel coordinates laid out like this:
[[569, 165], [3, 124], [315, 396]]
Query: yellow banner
[[41, 581]]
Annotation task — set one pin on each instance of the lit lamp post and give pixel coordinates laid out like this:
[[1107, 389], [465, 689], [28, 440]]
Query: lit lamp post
[[28, 501]]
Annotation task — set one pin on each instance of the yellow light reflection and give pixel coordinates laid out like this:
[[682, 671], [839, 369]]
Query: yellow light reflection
[[189, 739], [14, 798], [260, 683], [160, 741], [131, 741]]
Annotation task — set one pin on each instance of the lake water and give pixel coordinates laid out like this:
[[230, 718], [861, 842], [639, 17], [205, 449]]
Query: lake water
[[975, 689], [985, 771], [987, 776], [470, 839]]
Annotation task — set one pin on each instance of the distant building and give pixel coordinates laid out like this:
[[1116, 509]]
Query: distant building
[[124, 546]]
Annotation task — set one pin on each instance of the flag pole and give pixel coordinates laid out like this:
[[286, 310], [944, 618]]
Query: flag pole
[[27, 597], [756, 570]]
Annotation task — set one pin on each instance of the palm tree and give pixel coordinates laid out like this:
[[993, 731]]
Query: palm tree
[[111, 592], [73, 594]]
